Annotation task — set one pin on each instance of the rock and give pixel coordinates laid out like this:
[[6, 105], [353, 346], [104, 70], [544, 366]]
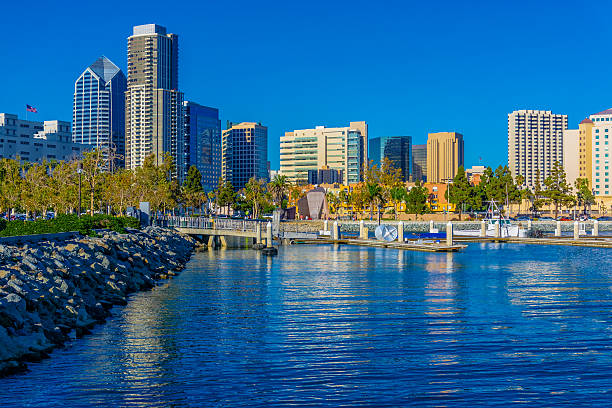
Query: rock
[[51, 291]]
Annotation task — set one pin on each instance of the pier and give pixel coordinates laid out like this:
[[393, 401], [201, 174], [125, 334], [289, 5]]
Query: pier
[[239, 233]]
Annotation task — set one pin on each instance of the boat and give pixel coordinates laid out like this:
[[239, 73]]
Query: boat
[[493, 218]]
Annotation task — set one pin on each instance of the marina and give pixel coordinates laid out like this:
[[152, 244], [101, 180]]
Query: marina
[[325, 325]]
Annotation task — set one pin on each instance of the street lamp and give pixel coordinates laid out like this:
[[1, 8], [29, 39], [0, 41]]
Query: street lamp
[[80, 172], [448, 181]]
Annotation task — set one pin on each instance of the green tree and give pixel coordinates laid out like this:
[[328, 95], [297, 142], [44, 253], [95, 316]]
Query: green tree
[[193, 182], [65, 184], [192, 191], [416, 199], [332, 201], [460, 191], [11, 184], [225, 196], [255, 195], [118, 190], [538, 197], [584, 195], [278, 189], [374, 198], [92, 174], [557, 190], [397, 195]]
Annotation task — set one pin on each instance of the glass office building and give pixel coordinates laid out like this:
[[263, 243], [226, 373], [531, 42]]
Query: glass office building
[[203, 142], [419, 162], [98, 116], [244, 153], [398, 149]]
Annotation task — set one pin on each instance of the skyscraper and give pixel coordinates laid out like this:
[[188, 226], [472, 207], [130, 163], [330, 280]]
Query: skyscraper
[[154, 105], [398, 149], [419, 162], [244, 153], [203, 142], [338, 148], [98, 114], [535, 143], [444, 156], [600, 160]]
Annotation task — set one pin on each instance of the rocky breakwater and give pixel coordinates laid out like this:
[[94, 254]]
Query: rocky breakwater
[[51, 292]]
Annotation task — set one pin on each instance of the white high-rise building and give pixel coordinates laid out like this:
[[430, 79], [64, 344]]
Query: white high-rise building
[[535, 142], [600, 156]]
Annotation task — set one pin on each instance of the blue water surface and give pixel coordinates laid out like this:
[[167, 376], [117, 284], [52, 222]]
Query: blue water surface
[[494, 325]]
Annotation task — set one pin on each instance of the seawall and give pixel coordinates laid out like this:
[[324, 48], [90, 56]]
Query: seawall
[[51, 291]]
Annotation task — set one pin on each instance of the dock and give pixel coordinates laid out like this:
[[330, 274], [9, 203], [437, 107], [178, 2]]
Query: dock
[[583, 241], [408, 246]]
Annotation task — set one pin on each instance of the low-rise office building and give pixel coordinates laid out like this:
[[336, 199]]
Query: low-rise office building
[[32, 141], [339, 148]]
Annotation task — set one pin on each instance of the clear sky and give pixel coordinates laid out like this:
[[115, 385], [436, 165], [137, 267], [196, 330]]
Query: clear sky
[[407, 68]]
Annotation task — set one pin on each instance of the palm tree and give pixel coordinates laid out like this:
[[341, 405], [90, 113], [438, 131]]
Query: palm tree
[[278, 189], [374, 196], [397, 194]]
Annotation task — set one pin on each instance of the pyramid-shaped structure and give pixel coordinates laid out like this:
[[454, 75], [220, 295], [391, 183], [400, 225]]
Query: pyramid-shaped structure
[[104, 68]]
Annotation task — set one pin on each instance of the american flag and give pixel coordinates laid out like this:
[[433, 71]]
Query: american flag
[[30, 108]]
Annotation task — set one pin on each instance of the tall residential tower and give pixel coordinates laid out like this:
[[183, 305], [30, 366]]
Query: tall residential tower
[[535, 143], [98, 114], [154, 104]]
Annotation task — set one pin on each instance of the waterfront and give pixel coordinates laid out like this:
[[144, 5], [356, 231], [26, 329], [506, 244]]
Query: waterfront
[[493, 325]]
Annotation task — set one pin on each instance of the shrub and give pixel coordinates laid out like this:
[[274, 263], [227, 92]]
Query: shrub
[[66, 223]]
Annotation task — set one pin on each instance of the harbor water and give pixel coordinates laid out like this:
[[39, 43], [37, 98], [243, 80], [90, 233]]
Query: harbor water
[[493, 325]]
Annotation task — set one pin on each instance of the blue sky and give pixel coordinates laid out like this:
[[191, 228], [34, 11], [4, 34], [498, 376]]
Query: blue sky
[[407, 68]]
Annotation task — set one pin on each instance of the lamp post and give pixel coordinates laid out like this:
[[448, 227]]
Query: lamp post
[[448, 181], [80, 172]]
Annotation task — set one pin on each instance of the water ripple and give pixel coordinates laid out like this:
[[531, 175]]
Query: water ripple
[[495, 325]]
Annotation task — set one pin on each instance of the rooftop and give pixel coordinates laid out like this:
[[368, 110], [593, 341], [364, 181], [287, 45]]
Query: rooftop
[[104, 68], [606, 112], [149, 29]]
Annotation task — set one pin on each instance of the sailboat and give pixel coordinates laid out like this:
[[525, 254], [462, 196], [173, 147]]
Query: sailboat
[[495, 216]]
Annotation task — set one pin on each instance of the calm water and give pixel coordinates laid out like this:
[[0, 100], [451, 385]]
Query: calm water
[[494, 325]]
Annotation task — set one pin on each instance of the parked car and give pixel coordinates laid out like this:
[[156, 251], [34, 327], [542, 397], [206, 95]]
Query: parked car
[[545, 219], [604, 218], [522, 218], [564, 218]]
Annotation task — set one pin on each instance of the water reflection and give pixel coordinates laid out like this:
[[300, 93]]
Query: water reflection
[[332, 326]]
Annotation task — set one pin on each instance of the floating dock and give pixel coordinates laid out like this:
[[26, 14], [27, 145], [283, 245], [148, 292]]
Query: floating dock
[[582, 241], [409, 245]]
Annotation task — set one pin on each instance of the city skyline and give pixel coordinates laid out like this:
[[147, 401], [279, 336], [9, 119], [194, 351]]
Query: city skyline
[[416, 88]]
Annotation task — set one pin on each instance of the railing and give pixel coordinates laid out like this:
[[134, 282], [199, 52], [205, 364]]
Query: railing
[[207, 223]]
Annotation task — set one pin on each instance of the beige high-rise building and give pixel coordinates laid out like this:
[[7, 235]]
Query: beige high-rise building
[[444, 156], [589, 156], [585, 150], [535, 143], [571, 160], [153, 103], [339, 148]]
